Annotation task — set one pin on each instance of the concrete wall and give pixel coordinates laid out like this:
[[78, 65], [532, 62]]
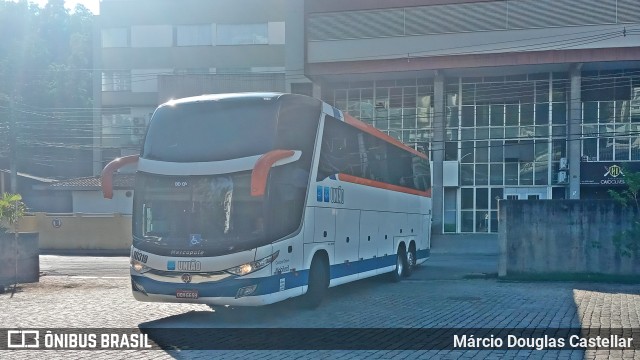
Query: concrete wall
[[26, 251], [563, 236], [76, 232]]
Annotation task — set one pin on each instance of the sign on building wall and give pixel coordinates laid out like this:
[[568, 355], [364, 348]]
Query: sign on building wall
[[605, 173]]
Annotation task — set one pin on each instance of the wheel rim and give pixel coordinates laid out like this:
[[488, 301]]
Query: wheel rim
[[410, 259], [399, 264]]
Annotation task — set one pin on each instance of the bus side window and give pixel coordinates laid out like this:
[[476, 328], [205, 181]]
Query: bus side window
[[332, 160], [335, 155], [421, 173]]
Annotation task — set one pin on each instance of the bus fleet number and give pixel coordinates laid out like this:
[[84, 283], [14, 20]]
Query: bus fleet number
[[180, 184]]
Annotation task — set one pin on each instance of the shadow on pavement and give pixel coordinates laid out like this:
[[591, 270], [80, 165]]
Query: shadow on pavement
[[262, 316]]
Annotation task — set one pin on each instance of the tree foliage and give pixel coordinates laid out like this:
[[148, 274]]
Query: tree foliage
[[12, 209], [45, 65], [627, 242]]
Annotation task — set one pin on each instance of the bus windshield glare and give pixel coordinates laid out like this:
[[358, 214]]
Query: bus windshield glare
[[211, 131]]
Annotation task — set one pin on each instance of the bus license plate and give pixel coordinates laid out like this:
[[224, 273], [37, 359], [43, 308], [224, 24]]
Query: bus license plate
[[187, 294]]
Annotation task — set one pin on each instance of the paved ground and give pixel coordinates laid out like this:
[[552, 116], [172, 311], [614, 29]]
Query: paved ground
[[106, 266], [95, 292]]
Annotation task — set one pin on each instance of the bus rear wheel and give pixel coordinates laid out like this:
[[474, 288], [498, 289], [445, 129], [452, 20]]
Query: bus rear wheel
[[411, 261], [401, 265], [318, 283]]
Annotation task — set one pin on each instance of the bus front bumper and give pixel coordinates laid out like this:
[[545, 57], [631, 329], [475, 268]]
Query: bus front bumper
[[231, 290]]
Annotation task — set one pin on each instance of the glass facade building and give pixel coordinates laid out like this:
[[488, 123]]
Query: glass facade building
[[507, 134]]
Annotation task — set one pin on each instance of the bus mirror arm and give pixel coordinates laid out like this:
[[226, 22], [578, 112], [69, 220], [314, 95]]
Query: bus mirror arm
[[106, 178], [261, 169]]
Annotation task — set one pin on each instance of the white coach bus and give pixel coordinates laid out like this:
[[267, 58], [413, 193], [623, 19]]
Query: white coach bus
[[249, 199]]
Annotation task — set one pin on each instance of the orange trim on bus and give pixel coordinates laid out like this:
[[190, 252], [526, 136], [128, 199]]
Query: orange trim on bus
[[106, 177], [377, 184], [262, 167], [379, 134]]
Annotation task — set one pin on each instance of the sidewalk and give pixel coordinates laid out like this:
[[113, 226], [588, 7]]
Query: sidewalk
[[486, 244], [460, 256]]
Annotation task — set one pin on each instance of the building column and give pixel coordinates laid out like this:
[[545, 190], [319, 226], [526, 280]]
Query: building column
[[574, 130], [294, 49], [97, 98], [437, 151]]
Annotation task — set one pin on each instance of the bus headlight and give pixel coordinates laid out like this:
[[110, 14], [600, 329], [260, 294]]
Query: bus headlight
[[138, 266], [253, 266]]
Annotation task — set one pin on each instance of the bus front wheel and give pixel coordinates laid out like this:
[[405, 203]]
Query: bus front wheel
[[318, 282]]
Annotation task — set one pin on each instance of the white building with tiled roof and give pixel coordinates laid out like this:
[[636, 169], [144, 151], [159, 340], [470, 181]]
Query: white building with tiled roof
[[87, 196]]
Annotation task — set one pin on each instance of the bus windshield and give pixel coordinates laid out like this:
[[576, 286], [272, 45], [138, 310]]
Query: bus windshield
[[211, 130], [215, 213]]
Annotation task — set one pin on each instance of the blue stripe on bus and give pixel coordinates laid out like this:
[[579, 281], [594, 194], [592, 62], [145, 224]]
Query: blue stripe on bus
[[266, 285], [351, 268]]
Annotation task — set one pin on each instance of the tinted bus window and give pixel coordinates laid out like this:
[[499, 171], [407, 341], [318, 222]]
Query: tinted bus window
[[211, 130], [350, 151]]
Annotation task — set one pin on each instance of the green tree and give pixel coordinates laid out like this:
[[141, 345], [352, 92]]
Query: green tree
[[45, 69], [12, 209], [627, 242]]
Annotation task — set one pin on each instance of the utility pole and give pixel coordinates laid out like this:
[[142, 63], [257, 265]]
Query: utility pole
[[12, 149]]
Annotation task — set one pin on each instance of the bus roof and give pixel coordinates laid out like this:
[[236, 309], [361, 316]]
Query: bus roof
[[226, 96]]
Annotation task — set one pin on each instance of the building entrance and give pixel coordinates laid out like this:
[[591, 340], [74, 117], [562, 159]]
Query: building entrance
[[525, 193]]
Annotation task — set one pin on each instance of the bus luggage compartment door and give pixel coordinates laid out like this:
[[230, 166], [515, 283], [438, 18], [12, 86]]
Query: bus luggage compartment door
[[347, 235], [369, 238], [324, 225]]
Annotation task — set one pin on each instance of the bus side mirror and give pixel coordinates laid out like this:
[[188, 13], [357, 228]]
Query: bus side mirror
[[263, 166], [106, 178]]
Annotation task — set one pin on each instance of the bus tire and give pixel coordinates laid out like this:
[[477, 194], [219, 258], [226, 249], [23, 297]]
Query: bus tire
[[401, 264], [318, 282], [411, 261]]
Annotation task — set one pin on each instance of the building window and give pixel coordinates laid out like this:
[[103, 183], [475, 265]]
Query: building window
[[403, 109], [610, 116], [152, 36], [194, 35], [450, 219], [116, 129], [242, 34], [116, 80], [115, 37]]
